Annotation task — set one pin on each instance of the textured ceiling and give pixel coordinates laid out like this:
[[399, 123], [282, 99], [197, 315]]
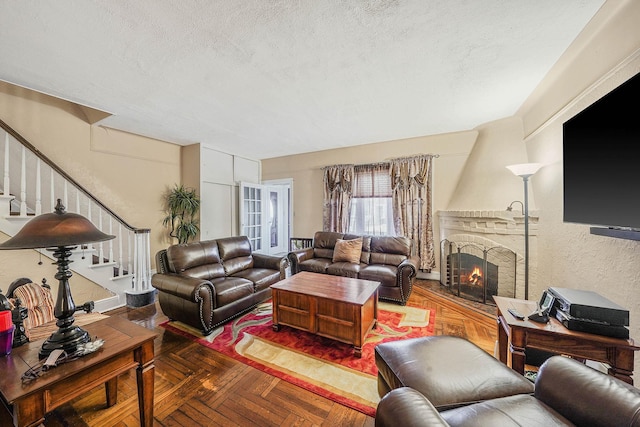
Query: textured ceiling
[[266, 78]]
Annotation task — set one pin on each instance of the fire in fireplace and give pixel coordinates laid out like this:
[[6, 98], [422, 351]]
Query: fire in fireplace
[[476, 273]]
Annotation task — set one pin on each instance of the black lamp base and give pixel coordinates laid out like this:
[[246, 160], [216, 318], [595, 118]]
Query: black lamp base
[[67, 339]]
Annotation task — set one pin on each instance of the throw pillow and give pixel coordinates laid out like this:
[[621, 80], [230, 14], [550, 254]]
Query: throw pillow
[[38, 302], [348, 250]]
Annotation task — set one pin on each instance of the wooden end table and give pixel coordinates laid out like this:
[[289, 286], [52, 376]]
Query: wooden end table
[[126, 346], [515, 336], [340, 308]]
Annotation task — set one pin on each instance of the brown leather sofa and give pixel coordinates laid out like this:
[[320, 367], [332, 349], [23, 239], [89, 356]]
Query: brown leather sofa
[[567, 393], [204, 284], [386, 259]]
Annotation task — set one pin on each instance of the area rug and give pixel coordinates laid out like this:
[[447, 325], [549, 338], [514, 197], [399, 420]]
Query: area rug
[[320, 365]]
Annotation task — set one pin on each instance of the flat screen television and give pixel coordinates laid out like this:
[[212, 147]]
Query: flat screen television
[[601, 163]]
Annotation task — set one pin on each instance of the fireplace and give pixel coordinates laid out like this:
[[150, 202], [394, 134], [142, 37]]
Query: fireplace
[[477, 272], [496, 240]]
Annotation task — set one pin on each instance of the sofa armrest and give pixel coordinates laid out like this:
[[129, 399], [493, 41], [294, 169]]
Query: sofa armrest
[[409, 267], [271, 262], [581, 394], [299, 256], [405, 406], [185, 287]]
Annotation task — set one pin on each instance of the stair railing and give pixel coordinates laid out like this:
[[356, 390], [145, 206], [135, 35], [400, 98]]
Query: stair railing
[[129, 252]]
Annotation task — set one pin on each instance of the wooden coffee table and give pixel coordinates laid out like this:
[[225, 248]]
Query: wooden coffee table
[[126, 346], [340, 308]]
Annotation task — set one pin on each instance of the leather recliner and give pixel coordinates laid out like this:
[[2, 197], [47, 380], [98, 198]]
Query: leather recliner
[[567, 393]]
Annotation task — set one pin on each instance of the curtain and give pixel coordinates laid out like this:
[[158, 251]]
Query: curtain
[[338, 181], [411, 185], [371, 209]]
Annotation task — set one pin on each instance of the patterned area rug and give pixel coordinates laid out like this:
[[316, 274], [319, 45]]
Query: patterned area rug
[[321, 365]]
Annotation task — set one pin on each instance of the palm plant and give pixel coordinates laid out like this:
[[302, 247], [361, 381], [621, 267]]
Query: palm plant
[[182, 206]]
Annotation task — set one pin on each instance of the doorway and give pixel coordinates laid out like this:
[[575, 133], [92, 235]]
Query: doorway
[[265, 212]]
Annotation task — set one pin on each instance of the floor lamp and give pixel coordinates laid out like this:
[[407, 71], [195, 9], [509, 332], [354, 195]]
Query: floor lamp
[[524, 171]]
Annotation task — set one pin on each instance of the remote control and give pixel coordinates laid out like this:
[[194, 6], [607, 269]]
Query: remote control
[[515, 313]]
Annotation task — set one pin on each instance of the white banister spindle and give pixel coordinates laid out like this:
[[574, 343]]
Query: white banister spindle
[[78, 203], [23, 183], [120, 264], [100, 245], [38, 187], [6, 188], [129, 255], [142, 268], [110, 242]]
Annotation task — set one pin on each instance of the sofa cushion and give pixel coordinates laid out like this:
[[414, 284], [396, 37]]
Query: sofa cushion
[[235, 253], [262, 278], [324, 242], [344, 269], [389, 249], [315, 265], [511, 411], [347, 251], [231, 289], [386, 274], [198, 259], [366, 246]]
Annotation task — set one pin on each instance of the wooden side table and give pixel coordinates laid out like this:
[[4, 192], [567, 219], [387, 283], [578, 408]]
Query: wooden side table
[[126, 346], [515, 336]]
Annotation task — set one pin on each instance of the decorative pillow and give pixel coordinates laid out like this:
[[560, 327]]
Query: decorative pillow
[[38, 302], [348, 250]]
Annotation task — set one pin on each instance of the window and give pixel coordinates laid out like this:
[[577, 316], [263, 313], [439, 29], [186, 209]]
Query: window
[[371, 210]]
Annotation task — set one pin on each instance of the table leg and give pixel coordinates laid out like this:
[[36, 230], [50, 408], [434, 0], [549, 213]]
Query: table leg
[[111, 388], [503, 342], [517, 350], [145, 378]]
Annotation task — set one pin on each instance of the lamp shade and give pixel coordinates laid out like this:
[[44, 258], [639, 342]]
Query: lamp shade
[[525, 169], [56, 229]]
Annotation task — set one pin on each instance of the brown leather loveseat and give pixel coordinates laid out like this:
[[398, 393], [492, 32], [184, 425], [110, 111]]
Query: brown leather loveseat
[[385, 259], [204, 284]]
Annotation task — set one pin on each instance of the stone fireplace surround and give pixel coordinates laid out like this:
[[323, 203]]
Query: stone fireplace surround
[[489, 229]]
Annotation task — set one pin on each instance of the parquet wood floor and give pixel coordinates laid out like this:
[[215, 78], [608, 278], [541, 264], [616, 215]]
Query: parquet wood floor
[[195, 386]]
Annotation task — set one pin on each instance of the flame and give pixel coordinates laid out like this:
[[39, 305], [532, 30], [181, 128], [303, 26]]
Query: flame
[[475, 278]]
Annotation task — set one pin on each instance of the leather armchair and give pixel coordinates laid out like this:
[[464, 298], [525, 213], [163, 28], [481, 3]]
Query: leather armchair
[[567, 393]]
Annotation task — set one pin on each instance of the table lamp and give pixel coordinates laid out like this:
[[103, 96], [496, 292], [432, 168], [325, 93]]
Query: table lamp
[[59, 232]]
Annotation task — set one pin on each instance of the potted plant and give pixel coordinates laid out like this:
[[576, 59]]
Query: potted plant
[[182, 206]]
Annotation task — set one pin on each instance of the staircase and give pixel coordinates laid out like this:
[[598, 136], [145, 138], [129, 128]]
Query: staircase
[[31, 184]]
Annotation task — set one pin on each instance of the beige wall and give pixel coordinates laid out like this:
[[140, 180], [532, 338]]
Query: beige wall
[[128, 173]]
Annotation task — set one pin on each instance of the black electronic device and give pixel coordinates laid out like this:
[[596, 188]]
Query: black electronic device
[[545, 306], [515, 313], [589, 305], [591, 326], [600, 164]]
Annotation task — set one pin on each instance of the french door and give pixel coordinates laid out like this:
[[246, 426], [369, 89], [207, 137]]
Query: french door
[[264, 213]]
